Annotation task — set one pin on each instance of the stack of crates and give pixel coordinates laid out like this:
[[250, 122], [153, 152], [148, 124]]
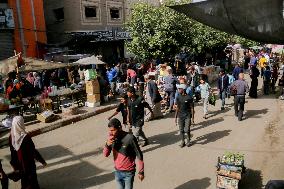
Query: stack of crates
[[93, 93], [230, 168]]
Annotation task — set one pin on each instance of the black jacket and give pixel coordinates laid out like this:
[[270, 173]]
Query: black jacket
[[154, 92], [225, 83]]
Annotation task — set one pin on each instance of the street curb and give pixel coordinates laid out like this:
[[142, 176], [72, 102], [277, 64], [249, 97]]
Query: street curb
[[63, 122]]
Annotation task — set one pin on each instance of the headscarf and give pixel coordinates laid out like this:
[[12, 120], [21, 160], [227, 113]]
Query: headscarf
[[30, 78], [18, 132]]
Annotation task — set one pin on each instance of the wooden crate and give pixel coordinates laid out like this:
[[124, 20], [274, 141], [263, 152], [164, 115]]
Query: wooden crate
[[227, 182]]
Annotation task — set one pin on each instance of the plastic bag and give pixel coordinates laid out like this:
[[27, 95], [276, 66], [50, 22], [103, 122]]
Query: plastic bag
[[212, 100]]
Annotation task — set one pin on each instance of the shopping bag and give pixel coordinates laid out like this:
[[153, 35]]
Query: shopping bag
[[212, 99]]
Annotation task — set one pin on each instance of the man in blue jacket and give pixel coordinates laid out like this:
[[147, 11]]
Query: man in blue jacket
[[223, 84], [112, 78], [237, 70]]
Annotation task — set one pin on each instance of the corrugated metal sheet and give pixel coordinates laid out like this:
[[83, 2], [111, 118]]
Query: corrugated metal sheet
[[6, 44]]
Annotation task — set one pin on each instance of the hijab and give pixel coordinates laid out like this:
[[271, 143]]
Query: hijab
[[18, 132]]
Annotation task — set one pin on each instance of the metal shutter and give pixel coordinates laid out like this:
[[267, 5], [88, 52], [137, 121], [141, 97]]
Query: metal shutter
[[6, 44]]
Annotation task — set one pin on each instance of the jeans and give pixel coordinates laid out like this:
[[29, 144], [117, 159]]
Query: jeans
[[138, 132], [171, 95], [239, 106], [132, 81], [223, 97], [113, 87], [266, 86], [124, 179], [205, 105], [184, 125]]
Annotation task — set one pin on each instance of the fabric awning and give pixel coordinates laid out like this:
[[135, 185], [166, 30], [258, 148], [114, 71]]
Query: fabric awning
[[30, 64], [89, 60], [260, 20]]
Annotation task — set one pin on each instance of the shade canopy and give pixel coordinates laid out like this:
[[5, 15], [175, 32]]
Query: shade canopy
[[260, 20], [89, 60], [30, 64]]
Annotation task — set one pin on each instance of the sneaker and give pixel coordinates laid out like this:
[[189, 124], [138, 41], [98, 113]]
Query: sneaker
[[188, 144], [182, 144]]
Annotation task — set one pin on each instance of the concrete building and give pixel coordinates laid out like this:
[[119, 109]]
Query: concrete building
[[89, 26], [22, 28]]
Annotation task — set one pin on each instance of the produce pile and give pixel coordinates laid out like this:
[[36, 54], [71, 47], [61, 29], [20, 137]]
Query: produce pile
[[229, 158]]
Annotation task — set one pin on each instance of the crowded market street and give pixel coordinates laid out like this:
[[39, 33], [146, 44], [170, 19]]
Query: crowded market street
[[75, 160]]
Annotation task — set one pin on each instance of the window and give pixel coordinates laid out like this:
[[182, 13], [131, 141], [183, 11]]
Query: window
[[91, 12], [59, 14], [114, 13], [3, 1]]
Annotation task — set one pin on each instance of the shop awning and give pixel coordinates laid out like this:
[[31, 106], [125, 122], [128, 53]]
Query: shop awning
[[30, 64], [89, 60], [260, 20]]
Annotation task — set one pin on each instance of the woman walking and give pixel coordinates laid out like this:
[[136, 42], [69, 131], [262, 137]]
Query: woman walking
[[23, 154], [254, 74], [205, 92], [153, 98]]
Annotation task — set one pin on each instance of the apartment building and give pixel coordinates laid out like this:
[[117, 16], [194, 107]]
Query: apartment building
[[89, 26]]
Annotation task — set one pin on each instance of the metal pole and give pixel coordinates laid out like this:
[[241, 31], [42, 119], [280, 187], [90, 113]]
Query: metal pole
[[35, 28], [21, 30]]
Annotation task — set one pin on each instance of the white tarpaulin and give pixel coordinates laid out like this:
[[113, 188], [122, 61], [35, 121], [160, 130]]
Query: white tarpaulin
[[89, 60]]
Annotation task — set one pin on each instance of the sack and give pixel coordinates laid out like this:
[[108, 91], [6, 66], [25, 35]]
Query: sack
[[212, 100], [233, 90]]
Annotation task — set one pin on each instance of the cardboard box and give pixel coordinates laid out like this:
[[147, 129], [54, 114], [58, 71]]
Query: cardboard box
[[46, 116], [92, 105], [46, 104], [92, 87], [94, 98]]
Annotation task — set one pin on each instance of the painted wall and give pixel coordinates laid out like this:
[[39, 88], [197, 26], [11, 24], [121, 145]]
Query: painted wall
[[33, 28]]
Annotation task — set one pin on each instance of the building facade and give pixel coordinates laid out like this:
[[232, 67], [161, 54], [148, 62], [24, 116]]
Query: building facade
[[89, 26], [22, 28]]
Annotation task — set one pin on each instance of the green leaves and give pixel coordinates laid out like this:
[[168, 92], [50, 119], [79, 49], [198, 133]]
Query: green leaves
[[160, 32]]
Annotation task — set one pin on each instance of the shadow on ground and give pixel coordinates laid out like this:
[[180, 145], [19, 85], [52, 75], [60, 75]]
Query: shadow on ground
[[256, 113], [74, 171], [211, 137], [215, 113], [206, 123], [162, 140], [252, 180], [196, 184]]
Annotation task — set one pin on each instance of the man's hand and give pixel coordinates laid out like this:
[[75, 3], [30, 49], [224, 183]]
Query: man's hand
[[141, 177], [110, 141]]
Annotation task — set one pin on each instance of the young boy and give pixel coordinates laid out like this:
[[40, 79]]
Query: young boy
[[122, 107]]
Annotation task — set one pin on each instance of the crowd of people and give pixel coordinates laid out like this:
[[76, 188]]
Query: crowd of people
[[155, 88]]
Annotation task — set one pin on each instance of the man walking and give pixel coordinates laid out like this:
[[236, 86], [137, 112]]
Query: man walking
[[237, 70], [223, 84], [136, 114], [125, 149], [242, 88], [184, 111], [170, 88]]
